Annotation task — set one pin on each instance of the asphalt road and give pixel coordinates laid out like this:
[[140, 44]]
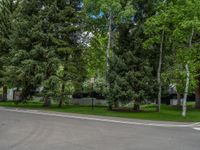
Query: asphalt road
[[29, 131]]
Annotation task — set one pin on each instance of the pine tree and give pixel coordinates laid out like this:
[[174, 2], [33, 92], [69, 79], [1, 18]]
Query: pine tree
[[8, 10], [46, 51], [130, 75], [29, 48], [69, 50]]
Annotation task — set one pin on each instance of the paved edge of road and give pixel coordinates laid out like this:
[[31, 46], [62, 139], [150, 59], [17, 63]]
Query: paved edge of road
[[195, 126]]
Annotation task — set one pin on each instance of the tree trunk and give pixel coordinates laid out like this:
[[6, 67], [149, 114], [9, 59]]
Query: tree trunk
[[179, 99], [186, 91], [187, 79], [109, 40], [60, 102], [47, 102], [159, 72], [190, 41], [110, 107], [136, 106], [62, 97], [197, 94], [5, 90], [116, 104]]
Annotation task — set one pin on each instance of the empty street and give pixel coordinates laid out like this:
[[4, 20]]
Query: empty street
[[36, 130]]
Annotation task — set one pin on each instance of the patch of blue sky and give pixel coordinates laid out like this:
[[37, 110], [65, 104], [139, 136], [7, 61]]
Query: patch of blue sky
[[100, 15]]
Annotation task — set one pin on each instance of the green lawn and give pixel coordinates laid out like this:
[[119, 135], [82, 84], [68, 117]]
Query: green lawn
[[167, 113]]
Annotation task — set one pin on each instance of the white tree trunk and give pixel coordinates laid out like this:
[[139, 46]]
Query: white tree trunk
[[186, 91], [187, 79], [190, 41], [108, 51], [159, 72], [109, 39]]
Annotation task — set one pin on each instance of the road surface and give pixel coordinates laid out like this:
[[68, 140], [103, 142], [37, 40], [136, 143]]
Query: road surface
[[34, 131]]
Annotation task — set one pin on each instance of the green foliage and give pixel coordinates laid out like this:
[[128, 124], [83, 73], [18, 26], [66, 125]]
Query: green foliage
[[58, 44], [98, 14], [186, 22], [45, 49], [177, 19], [96, 57], [99, 86], [130, 74], [8, 11]]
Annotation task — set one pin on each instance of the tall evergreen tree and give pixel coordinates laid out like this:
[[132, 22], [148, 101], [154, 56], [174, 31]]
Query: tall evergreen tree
[[69, 49], [46, 38], [29, 48], [8, 10], [130, 75]]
